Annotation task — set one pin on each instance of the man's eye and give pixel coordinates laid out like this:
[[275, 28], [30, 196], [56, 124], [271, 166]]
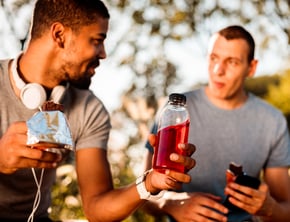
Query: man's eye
[[233, 62], [97, 41], [213, 58]]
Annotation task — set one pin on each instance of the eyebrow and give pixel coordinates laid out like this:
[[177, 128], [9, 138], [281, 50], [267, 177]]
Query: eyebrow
[[228, 57], [236, 58], [102, 35]]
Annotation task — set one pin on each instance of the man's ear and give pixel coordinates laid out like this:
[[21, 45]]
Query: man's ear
[[252, 68], [58, 33]]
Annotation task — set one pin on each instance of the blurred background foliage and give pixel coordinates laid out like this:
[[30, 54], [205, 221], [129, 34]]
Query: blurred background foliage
[[140, 47]]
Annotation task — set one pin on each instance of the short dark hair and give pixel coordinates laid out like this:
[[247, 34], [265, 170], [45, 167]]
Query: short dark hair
[[238, 32], [71, 13]]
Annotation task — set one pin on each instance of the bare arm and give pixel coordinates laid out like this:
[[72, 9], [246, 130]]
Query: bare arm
[[103, 203], [278, 182]]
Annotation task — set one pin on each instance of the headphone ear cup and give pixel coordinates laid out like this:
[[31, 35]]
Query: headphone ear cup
[[57, 93], [33, 95]]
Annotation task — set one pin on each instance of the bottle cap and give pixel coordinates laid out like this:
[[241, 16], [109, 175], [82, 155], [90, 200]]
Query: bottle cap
[[177, 98]]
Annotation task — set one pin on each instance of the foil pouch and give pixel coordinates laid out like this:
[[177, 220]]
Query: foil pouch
[[49, 130]]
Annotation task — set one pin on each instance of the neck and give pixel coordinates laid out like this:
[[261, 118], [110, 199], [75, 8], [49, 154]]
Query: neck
[[228, 103], [36, 67]]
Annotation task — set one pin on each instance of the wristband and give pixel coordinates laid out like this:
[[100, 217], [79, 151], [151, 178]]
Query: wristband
[[141, 188]]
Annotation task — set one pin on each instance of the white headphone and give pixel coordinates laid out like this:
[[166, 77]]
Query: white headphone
[[33, 95]]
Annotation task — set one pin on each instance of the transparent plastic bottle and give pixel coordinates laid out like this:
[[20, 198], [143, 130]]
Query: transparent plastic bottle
[[173, 128]]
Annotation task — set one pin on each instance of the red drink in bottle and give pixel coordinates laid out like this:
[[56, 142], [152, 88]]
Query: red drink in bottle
[[172, 130], [168, 139]]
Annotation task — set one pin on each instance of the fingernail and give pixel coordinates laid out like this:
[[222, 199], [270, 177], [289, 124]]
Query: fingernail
[[174, 156], [181, 145]]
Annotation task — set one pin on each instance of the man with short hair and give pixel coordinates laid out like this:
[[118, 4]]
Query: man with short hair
[[66, 45], [229, 124]]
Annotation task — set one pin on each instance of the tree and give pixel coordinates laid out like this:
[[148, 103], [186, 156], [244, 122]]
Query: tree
[[260, 85], [149, 26], [157, 23], [279, 95]]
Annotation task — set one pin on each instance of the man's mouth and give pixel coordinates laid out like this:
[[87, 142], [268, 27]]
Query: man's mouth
[[95, 63], [92, 67], [219, 84]]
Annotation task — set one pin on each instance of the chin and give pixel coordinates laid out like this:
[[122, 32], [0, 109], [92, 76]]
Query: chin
[[83, 83]]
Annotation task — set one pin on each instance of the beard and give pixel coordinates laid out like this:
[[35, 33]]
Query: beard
[[81, 83]]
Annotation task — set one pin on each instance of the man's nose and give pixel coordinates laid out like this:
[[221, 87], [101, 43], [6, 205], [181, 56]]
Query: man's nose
[[103, 53], [219, 68]]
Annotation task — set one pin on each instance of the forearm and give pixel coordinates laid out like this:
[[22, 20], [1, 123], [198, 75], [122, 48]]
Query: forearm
[[280, 212], [278, 183], [155, 208], [113, 205]]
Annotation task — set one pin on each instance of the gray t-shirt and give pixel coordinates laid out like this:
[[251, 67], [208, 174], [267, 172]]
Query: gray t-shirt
[[89, 122], [254, 135]]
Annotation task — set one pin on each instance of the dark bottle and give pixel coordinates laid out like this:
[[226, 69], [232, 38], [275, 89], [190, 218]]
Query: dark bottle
[[173, 127]]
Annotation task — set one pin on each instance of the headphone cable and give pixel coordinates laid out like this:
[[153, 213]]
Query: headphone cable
[[38, 193]]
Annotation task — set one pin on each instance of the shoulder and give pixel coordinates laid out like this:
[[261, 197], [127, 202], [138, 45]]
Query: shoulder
[[195, 95], [264, 110], [194, 92], [82, 98], [263, 106], [88, 118], [83, 104], [4, 64], [4, 61]]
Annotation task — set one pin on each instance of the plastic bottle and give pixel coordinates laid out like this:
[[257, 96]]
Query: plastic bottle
[[173, 127]]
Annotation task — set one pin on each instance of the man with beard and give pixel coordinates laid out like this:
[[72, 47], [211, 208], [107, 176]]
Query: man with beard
[[66, 44]]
